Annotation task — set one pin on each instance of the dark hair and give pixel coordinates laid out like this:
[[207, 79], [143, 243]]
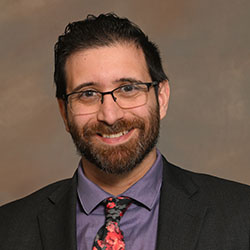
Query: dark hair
[[104, 30]]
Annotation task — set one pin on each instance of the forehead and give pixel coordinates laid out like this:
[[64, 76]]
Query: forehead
[[106, 65]]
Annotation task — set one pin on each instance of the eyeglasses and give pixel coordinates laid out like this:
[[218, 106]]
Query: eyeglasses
[[126, 96]]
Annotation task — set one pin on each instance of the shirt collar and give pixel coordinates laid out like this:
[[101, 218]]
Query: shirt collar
[[85, 191], [145, 191]]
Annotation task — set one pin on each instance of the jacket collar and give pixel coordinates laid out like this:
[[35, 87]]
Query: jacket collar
[[57, 221], [180, 215]]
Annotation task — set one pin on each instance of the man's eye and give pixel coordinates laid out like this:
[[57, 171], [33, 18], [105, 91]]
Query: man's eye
[[128, 88], [87, 94]]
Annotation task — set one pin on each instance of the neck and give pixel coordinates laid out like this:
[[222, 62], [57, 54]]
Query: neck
[[117, 184]]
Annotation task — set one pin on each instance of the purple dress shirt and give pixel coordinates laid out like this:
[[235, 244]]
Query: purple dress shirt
[[139, 223]]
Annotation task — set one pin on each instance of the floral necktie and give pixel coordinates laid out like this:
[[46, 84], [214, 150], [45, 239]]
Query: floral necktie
[[109, 236]]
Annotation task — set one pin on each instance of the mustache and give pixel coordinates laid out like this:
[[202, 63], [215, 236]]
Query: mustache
[[118, 126]]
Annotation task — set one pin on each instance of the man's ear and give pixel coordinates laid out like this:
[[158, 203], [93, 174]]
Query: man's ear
[[163, 97], [63, 112]]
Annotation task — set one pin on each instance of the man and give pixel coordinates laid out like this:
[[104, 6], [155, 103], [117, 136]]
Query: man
[[112, 93]]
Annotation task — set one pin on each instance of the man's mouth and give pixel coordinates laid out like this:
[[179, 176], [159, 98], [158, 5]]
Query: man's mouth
[[114, 135]]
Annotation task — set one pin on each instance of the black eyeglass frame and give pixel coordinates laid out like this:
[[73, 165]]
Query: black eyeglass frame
[[148, 84]]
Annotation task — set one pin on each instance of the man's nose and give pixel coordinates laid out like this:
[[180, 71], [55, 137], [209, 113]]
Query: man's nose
[[109, 111]]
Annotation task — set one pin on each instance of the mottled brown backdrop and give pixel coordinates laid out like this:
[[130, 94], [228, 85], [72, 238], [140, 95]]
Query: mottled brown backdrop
[[205, 47]]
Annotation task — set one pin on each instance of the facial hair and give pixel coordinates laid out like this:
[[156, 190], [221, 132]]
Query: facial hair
[[117, 159]]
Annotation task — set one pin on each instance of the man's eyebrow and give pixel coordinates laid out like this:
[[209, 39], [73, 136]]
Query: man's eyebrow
[[82, 85], [128, 80]]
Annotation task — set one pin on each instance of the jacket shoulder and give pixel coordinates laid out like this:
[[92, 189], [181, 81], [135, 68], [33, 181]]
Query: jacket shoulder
[[210, 188], [19, 227], [32, 203]]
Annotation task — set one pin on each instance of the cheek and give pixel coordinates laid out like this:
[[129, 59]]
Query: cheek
[[139, 112], [81, 121], [146, 110], [144, 113]]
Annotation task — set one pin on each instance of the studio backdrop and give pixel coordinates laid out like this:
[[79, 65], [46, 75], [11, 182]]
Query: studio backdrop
[[205, 48]]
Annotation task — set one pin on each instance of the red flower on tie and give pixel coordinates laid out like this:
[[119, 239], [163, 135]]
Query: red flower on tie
[[114, 241], [111, 205]]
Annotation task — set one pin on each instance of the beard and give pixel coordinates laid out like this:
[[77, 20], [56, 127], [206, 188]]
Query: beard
[[117, 159]]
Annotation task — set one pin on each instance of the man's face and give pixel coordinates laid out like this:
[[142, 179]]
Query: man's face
[[113, 139]]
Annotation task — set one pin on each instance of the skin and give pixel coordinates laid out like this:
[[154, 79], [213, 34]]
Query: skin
[[104, 66]]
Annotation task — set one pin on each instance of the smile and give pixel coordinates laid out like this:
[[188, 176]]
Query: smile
[[115, 135], [115, 139]]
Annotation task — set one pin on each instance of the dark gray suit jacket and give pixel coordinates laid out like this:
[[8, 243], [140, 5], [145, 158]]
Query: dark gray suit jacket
[[197, 212]]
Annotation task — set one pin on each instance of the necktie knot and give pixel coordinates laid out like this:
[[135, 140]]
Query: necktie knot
[[116, 207]]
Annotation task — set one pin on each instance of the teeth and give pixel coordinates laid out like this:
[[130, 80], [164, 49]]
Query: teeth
[[115, 135]]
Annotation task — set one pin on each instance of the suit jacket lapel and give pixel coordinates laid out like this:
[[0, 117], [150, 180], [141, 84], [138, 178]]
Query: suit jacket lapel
[[180, 215], [57, 221]]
